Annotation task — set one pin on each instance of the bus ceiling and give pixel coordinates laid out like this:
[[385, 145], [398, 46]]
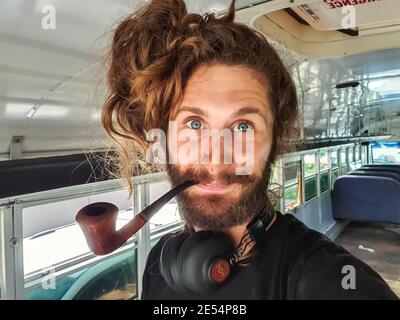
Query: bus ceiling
[[51, 102]]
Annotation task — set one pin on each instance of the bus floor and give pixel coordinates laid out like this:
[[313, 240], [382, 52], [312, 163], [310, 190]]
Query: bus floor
[[378, 245]]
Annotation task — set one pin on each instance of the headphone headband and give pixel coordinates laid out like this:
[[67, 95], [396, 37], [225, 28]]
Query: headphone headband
[[256, 227]]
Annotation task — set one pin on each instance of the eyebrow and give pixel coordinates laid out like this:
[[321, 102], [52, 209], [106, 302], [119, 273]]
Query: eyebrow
[[195, 110], [247, 110], [242, 111]]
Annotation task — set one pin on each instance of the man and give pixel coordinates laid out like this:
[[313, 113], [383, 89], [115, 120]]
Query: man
[[191, 75]]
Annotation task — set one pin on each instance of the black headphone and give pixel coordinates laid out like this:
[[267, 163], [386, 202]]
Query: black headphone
[[202, 261]]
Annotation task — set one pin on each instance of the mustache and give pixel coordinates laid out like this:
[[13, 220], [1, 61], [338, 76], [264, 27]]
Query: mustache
[[203, 176]]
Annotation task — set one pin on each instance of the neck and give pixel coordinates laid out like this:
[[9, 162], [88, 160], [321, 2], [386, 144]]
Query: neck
[[236, 233]]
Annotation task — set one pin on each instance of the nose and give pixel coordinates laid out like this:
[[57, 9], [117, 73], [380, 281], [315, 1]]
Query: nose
[[216, 151]]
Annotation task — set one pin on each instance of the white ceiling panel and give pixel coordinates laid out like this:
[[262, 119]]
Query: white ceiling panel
[[49, 79], [51, 88]]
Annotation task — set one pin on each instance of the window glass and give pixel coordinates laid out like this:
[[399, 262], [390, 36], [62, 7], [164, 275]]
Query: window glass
[[386, 152], [310, 188], [169, 213], [291, 197], [324, 181], [350, 154], [57, 257], [323, 160], [357, 152], [113, 280], [363, 154], [291, 172], [334, 158], [310, 165], [343, 158]]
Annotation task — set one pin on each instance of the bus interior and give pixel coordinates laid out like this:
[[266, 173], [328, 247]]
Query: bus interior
[[343, 179]]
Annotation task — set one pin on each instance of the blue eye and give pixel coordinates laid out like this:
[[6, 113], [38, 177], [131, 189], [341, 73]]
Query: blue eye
[[243, 127], [194, 124]]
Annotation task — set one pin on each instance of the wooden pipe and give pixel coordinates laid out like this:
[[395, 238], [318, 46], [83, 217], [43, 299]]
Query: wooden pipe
[[98, 221]]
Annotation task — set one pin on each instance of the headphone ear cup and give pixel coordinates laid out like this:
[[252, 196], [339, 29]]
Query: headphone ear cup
[[198, 256], [168, 262]]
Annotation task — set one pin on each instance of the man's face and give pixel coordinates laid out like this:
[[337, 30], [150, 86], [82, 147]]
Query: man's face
[[227, 100]]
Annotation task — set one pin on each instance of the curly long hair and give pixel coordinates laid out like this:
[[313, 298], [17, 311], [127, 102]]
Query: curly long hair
[[154, 52]]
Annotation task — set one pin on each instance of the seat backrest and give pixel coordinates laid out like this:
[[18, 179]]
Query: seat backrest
[[389, 166], [377, 173], [381, 168], [366, 197]]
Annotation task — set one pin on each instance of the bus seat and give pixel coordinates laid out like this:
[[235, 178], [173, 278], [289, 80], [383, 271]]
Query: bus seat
[[377, 173], [381, 168], [366, 198], [376, 165]]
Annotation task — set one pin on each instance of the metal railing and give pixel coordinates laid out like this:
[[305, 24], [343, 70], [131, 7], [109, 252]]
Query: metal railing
[[12, 278]]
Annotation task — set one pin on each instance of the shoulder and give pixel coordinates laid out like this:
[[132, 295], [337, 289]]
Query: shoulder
[[151, 277], [298, 239], [155, 251], [321, 269]]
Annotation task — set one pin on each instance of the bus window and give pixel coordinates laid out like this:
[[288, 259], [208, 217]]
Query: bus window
[[324, 181], [323, 160], [169, 213], [386, 152], [364, 149], [291, 171], [351, 155], [78, 274], [334, 158], [275, 186], [291, 191], [310, 188], [343, 158], [310, 166], [291, 196], [310, 178], [357, 152], [343, 161]]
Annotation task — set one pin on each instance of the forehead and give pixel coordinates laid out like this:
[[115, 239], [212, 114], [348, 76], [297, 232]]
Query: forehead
[[225, 86]]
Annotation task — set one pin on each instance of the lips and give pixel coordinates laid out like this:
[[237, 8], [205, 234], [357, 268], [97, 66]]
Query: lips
[[214, 187]]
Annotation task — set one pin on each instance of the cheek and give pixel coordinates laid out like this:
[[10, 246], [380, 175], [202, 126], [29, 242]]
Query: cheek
[[171, 148], [263, 149], [264, 145], [183, 147], [253, 153]]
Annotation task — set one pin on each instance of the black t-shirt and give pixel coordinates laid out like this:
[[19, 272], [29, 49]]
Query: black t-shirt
[[294, 262]]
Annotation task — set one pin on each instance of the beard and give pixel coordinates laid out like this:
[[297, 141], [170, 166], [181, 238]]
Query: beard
[[220, 212]]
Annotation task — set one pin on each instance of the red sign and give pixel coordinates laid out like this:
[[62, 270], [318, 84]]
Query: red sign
[[334, 4]]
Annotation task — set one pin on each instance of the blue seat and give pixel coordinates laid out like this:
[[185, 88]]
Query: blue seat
[[377, 173], [381, 166], [366, 197]]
